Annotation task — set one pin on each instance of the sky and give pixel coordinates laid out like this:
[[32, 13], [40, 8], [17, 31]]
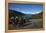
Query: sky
[[26, 8]]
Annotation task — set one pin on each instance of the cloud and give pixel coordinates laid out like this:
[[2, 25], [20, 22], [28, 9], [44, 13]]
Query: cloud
[[35, 12], [28, 11]]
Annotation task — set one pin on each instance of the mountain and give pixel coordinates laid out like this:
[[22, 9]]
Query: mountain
[[26, 16], [34, 16], [37, 16], [15, 13]]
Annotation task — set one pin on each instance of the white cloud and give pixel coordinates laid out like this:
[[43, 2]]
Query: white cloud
[[35, 12], [27, 11]]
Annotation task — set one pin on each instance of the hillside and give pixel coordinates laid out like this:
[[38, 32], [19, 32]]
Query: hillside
[[37, 16], [15, 13], [27, 16]]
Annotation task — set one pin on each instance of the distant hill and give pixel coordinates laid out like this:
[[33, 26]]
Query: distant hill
[[37, 16], [14, 13], [27, 16], [34, 16]]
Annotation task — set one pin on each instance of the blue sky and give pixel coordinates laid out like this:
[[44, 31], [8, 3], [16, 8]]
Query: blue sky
[[26, 8]]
